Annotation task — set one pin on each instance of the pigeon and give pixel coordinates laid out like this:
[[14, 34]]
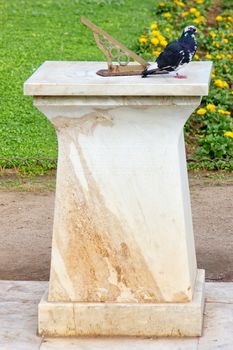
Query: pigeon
[[175, 54]]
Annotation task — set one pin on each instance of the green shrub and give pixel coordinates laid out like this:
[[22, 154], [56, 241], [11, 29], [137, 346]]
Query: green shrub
[[210, 128]]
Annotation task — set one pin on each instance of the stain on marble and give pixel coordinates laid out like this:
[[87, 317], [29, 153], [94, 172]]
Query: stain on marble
[[181, 297], [119, 343], [93, 249], [85, 124]]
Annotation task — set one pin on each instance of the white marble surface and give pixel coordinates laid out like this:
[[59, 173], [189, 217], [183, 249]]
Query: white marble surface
[[122, 226], [58, 78], [124, 319], [220, 337], [18, 314], [122, 229], [119, 344], [220, 292], [21, 291], [19, 324]]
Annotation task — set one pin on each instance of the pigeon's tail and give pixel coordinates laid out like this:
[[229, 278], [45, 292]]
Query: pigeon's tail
[[153, 68], [149, 72]]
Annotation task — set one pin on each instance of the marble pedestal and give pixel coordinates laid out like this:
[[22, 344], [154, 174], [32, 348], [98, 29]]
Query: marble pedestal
[[123, 255]]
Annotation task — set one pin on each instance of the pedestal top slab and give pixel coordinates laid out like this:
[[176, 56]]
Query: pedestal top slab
[[61, 78]]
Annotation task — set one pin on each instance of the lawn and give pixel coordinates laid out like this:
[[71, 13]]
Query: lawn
[[35, 31]]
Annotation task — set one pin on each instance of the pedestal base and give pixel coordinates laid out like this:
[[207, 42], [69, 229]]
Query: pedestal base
[[109, 319]]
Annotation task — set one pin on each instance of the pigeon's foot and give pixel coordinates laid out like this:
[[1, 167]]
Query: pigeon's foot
[[178, 76]]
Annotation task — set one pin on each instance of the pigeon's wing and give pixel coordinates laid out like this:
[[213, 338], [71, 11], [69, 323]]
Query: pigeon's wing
[[171, 57]]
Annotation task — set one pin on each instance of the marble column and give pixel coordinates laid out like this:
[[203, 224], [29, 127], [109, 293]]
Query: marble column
[[123, 255]]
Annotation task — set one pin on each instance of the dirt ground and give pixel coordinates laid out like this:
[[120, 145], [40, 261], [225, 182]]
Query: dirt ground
[[26, 218]]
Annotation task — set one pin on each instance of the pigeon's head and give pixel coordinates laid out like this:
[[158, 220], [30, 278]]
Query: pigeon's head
[[190, 30]]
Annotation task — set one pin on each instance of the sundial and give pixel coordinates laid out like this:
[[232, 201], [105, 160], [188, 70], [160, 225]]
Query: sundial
[[118, 56]]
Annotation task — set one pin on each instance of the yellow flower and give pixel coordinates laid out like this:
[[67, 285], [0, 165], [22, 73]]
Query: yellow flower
[[156, 52], [230, 19], [197, 13], [161, 4], [192, 10], [154, 41], [219, 18], [226, 41], [218, 83], [225, 84], [228, 134], [208, 56], [163, 42], [201, 111], [184, 14], [179, 3], [199, 1], [229, 55], [167, 15], [213, 75], [211, 107], [155, 32], [197, 56], [218, 57], [142, 40], [213, 34], [199, 20], [154, 26], [160, 37], [221, 111], [217, 44], [167, 30]]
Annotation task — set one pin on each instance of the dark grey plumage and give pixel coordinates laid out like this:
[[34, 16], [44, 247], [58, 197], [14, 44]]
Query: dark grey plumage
[[175, 54]]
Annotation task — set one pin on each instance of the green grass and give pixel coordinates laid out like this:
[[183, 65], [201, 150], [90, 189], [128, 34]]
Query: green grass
[[32, 32], [18, 182]]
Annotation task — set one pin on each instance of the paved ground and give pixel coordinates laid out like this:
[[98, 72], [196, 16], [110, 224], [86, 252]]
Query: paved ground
[[18, 319], [26, 218]]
